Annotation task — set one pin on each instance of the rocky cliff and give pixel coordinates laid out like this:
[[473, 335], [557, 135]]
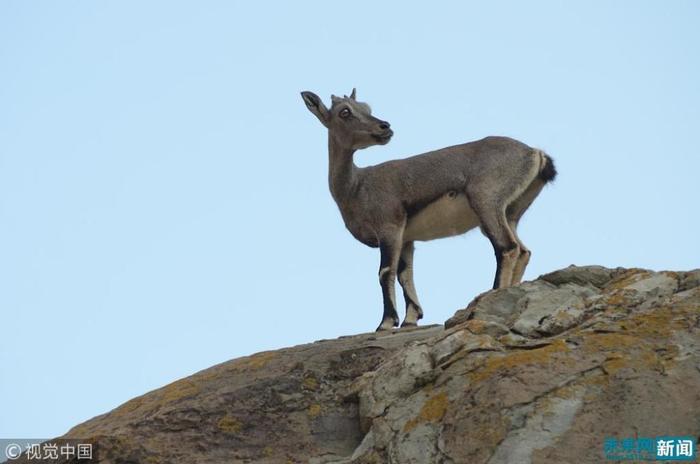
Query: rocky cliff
[[538, 373]]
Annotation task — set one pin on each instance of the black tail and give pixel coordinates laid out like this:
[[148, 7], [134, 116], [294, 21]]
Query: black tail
[[548, 172]]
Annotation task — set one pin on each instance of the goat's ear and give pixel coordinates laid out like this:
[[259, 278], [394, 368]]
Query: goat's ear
[[316, 106], [353, 94]]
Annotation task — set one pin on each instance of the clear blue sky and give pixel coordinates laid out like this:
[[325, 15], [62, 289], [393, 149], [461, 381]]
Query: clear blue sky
[[163, 190]]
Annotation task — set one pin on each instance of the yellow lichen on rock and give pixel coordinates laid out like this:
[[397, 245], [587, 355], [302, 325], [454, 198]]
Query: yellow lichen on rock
[[178, 390], [129, 406], [310, 383], [492, 433], [475, 326], [229, 424], [643, 342], [154, 400], [432, 411], [255, 361], [314, 410], [627, 278], [516, 358]]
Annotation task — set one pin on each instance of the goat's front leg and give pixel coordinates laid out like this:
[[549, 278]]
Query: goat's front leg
[[390, 247]]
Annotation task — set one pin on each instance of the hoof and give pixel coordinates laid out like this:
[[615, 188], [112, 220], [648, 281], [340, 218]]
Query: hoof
[[413, 315], [387, 324]]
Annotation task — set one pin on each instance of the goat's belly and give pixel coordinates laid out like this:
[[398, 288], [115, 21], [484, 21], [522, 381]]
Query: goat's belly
[[450, 215]]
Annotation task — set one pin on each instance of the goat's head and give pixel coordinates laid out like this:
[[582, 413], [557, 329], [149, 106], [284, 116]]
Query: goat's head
[[350, 122]]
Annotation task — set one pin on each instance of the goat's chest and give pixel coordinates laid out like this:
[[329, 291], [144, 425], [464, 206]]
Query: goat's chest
[[361, 226], [447, 216]]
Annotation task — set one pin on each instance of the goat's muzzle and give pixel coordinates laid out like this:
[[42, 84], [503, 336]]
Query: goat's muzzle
[[384, 136]]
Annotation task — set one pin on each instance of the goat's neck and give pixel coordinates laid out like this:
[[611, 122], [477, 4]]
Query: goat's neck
[[342, 172]]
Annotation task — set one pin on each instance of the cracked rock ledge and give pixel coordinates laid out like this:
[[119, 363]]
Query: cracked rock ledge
[[538, 373]]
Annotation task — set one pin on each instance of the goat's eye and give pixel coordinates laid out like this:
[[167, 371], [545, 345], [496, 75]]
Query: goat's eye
[[344, 113]]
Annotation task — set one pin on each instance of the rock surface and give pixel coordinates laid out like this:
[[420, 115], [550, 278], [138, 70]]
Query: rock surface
[[538, 373]]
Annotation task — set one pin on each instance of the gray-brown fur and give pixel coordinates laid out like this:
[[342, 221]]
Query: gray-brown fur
[[487, 183]]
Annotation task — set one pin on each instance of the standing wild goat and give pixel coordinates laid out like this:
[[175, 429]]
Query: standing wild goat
[[488, 183]]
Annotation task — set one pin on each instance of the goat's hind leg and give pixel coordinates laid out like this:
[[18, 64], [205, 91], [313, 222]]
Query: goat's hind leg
[[491, 197], [523, 258], [405, 271], [514, 212], [505, 245]]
